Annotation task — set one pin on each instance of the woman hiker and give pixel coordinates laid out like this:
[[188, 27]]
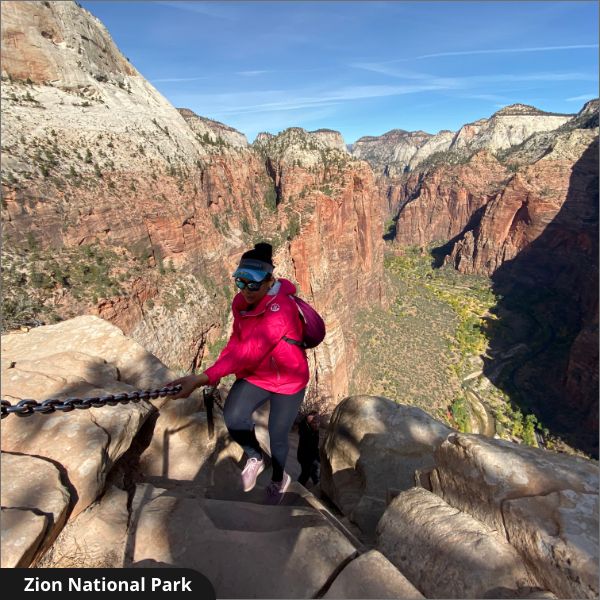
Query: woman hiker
[[267, 365]]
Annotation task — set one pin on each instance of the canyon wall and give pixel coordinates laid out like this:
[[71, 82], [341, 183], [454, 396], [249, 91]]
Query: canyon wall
[[117, 204], [515, 198]]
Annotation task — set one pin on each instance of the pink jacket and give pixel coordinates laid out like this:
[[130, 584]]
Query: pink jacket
[[256, 350]]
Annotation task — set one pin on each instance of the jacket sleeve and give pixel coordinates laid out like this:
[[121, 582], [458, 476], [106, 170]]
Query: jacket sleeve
[[222, 357], [244, 356]]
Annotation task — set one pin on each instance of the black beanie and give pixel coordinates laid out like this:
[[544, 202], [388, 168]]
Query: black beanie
[[260, 257]]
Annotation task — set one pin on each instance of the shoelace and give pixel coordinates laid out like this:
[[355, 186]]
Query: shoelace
[[251, 463]]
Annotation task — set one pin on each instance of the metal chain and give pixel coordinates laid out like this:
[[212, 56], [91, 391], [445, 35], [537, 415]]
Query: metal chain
[[217, 398], [26, 408]]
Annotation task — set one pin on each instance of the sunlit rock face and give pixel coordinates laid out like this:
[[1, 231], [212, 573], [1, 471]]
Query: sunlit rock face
[[94, 155], [515, 197], [337, 259]]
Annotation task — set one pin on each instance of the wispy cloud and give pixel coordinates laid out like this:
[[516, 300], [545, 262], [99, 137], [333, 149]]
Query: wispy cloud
[[225, 105], [217, 10], [334, 97], [176, 79], [490, 97], [251, 73], [508, 77], [509, 50], [386, 67], [467, 80], [582, 98]]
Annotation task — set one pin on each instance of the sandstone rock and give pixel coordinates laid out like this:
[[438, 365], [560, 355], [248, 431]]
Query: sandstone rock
[[95, 359], [22, 533], [541, 231], [558, 536], [96, 538], [435, 207], [330, 139], [398, 151], [297, 146], [88, 445], [508, 127], [39, 493], [438, 143], [371, 575], [180, 446], [515, 198], [340, 196], [94, 337], [374, 445], [582, 375], [280, 539], [41, 489], [55, 372], [391, 152], [217, 133], [446, 553], [478, 475], [531, 201]]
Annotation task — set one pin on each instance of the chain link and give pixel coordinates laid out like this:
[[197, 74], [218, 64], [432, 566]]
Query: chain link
[[26, 408]]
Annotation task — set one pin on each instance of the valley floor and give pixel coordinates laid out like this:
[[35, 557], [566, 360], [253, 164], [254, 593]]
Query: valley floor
[[428, 349]]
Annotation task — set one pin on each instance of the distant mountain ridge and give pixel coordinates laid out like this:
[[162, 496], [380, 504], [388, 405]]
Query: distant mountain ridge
[[399, 151], [213, 131]]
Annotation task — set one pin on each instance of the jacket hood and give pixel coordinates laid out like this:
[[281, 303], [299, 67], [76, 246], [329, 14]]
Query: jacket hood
[[287, 287]]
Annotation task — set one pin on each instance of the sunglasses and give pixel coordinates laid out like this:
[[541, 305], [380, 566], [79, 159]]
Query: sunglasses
[[253, 286]]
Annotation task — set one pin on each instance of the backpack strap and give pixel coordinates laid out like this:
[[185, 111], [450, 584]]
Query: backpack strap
[[294, 342]]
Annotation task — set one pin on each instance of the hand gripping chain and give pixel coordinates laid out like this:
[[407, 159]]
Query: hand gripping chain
[[25, 408]]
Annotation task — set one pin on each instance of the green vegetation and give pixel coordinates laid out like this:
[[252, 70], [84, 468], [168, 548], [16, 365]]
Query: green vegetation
[[293, 227], [424, 348], [32, 277], [512, 423], [270, 198], [460, 413], [245, 225], [389, 227], [469, 296], [207, 140]]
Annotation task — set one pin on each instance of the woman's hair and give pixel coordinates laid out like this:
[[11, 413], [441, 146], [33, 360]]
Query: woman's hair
[[261, 251]]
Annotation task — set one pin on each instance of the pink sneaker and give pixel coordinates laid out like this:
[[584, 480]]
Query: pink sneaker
[[276, 489], [252, 470]]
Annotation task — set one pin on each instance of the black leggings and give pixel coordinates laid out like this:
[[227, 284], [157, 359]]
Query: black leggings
[[243, 399]]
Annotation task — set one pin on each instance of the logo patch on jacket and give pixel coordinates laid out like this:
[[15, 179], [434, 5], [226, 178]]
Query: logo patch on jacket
[[275, 307]]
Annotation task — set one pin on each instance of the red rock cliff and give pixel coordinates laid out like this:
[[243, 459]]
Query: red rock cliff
[[95, 157]]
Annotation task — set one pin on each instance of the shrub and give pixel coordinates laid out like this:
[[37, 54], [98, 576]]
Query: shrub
[[293, 228], [245, 225], [271, 198]]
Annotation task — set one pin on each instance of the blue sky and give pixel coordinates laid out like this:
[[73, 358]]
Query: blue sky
[[361, 68]]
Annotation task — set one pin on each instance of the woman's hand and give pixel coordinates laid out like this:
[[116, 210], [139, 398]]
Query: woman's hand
[[188, 384]]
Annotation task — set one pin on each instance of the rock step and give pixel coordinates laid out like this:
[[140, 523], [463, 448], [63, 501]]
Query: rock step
[[447, 553], [371, 575], [296, 551], [34, 508], [284, 551]]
